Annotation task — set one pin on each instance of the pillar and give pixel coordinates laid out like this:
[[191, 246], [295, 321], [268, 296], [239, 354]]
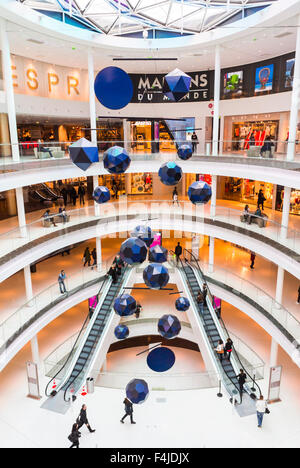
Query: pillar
[[35, 351], [96, 205], [285, 212], [279, 286], [295, 99], [21, 211], [216, 101], [99, 253], [5, 150], [92, 100], [126, 134], [213, 201], [222, 129], [28, 285], [9, 91], [273, 353], [211, 254]]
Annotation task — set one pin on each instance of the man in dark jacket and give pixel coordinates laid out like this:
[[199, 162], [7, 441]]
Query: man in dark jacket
[[178, 252], [81, 193], [128, 411], [241, 380], [82, 419], [113, 273]]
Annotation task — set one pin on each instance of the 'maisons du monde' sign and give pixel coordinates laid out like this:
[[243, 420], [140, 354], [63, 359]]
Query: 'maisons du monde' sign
[[148, 88]]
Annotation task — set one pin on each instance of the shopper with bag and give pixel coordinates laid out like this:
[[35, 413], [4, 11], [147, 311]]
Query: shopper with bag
[[74, 436], [261, 409]]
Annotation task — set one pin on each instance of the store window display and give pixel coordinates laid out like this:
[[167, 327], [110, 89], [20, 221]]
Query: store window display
[[246, 191], [141, 184], [141, 136], [245, 133], [295, 200]]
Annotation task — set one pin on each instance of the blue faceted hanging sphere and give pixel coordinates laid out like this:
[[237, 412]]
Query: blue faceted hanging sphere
[[101, 195], [182, 304], [185, 152], [113, 88], [176, 85], [83, 153], [133, 250], [137, 391], [170, 173], [156, 276], [121, 332], [169, 326], [125, 305], [199, 193], [116, 160], [158, 254], [144, 233]]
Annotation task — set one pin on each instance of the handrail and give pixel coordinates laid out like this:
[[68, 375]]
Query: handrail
[[82, 328], [237, 389], [92, 349], [222, 321]]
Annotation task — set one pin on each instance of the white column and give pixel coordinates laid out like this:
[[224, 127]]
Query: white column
[[93, 115], [126, 133], [213, 201], [99, 253], [279, 286], [9, 91], [35, 351], [96, 205], [28, 285], [211, 254], [285, 212], [216, 101], [222, 122], [295, 100], [273, 353], [21, 211]]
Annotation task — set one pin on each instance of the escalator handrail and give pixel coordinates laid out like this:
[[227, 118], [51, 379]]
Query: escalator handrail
[[92, 349], [229, 378], [74, 346], [224, 326]]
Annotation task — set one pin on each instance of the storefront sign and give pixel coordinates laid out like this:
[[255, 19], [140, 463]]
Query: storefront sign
[[148, 88], [274, 384]]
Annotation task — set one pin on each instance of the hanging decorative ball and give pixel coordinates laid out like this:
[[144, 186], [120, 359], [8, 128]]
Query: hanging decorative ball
[[113, 88], [156, 276], [185, 152], [133, 250], [116, 160], [101, 195], [170, 173], [161, 359], [169, 326], [158, 254], [176, 85], [182, 304], [137, 391], [144, 233], [199, 193], [83, 153], [121, 332], [125, 305]]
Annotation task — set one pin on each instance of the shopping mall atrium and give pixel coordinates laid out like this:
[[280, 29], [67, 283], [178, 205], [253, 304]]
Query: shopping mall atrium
[[149, 224]]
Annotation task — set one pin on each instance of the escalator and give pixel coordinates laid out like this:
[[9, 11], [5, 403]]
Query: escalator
[[228, 369], [90, 344]]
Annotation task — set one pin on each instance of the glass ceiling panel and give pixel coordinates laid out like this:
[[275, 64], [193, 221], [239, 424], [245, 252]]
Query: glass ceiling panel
[[187, 16]]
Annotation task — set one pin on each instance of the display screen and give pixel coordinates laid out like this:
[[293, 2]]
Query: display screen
[[289, 73], [264, 79], [233, 84]]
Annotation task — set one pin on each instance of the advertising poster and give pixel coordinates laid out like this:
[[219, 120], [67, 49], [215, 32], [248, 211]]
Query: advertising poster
[[233, 84], [264, 79], [289, 73]]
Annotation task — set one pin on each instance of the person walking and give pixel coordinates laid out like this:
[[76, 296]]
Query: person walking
[[138, 310], [128, 411], [81, 193], [194, 141], [252, 258], [261, 199], [178, 252], [82, 419], [241, 380], [74, 436], [61, 281], [87, 257], [94, 256], [64, 194], [217, 304], [175, 199], [228, 348], [220, 350], [298, 300], [74, 195], [200, 301], [113, 273], [118, 262], [261, 410]]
